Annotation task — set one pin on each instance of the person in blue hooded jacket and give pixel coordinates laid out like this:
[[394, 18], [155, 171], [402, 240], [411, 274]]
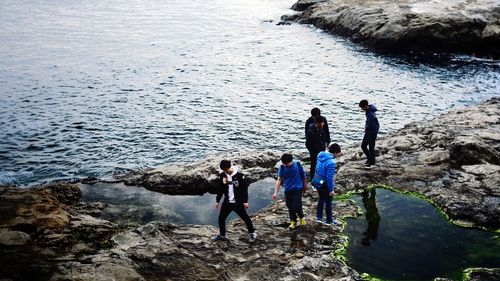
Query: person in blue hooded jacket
[[371, 131], [325, 183]]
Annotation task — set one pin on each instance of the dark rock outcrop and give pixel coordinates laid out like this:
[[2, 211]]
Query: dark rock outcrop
[[38, 231], [471, 27]]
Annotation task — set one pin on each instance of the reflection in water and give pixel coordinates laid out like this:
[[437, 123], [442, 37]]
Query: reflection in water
[[413, 236], [372, 217], [132, 205]]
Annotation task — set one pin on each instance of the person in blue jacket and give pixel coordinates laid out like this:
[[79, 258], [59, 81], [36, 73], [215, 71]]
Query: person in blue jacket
[[371, 130], [293, 177], [325, 183]]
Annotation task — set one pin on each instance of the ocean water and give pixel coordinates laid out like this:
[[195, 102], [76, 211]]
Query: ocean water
[[401, 237], [96, 88]]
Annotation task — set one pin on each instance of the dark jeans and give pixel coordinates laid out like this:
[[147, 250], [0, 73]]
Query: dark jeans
[[239, 209], [293, 199], [368, 146], [324, 200], [313, 155]]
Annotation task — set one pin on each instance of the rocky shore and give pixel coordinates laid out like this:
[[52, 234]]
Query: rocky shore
[[465, 26], [47, 233]]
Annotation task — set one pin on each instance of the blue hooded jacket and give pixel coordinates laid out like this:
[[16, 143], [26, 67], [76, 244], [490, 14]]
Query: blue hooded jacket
[[371, 125], [325, 168]]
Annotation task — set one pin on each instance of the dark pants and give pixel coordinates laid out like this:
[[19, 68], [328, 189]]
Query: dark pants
[[239, 209], [324, 200], [313, 155], [368, 146], [293, 199]]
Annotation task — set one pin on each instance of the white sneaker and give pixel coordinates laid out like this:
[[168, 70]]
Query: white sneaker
[[252, 237]]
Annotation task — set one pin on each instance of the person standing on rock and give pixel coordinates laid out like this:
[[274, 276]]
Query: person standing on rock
[[371, 131], [293, 177], [234, 187], [315, 112], [324, 182], [317, 140]]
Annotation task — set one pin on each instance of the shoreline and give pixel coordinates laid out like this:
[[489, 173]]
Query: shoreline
[[453, 159]]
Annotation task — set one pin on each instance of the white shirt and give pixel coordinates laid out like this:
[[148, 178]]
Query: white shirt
[[230, 185]]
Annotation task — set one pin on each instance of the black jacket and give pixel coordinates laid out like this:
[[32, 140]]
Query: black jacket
[[240, 185], [316, 140], [325, 128]]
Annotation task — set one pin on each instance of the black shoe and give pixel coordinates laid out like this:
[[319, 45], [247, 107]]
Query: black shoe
[[219, 238]]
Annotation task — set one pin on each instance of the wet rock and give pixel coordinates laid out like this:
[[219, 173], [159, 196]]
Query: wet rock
[[463, 26], [301, 5]]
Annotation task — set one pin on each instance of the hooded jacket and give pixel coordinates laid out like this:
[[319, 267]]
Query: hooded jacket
[[325, 168], [240, 187], [371, 125]]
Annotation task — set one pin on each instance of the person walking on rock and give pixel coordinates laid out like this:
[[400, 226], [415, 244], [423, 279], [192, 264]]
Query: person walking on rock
[[324, 182], [293, 177], [234, 187], [371, 131], [317, 140]]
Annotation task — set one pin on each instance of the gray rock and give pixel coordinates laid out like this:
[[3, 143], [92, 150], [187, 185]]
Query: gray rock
[[464, 26], [13, 238]]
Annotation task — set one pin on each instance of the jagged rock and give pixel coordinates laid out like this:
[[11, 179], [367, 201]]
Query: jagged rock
[[471, 150], [66, 193], [301, 5], [31, 210], [38, 231], [465, 26]]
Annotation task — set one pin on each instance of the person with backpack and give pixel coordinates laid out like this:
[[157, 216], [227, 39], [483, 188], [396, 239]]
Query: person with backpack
[[234, 187], [324, 182], [293, 177]]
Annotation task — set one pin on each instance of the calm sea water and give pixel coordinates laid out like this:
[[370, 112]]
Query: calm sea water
[[402, 237], [93, 88]]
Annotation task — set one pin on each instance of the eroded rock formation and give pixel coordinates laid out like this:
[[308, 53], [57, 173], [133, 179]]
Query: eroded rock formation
[[465, 26]]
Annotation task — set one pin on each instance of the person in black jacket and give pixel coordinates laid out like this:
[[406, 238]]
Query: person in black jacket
[[317, 140], [234, 187], [315, 112]]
